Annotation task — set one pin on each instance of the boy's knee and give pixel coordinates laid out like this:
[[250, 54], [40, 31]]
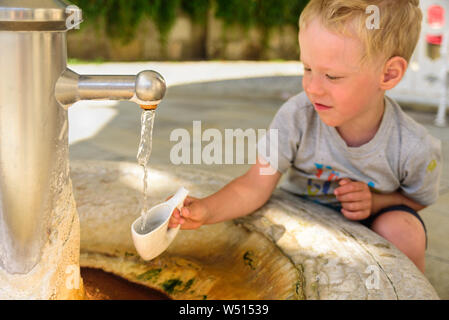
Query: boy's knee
[[403, 230]]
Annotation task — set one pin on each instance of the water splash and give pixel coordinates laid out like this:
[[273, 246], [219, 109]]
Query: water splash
[[143, 156]]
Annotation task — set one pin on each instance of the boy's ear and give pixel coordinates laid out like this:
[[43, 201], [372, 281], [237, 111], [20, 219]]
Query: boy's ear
[[394, 70]]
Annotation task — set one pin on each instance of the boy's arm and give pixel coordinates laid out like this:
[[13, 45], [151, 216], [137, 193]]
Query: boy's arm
[[241, 196], [380, 201]]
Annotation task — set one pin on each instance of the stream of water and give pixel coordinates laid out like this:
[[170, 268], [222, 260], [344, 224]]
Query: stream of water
[[143, 157]]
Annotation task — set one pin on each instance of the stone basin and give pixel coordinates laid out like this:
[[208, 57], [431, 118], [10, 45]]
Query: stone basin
[[288, 249]]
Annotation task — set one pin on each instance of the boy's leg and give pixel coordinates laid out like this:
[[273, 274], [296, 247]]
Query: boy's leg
[[405, 231]]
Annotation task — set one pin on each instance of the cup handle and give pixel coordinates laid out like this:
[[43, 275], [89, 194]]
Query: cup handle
[[177, 201], [171, 234]]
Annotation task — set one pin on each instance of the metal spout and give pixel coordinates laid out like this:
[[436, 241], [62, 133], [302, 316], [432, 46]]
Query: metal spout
[[146, 88]]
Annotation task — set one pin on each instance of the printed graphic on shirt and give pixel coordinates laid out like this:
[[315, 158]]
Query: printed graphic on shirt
[[321, 186], [432, 165], [325, 174]]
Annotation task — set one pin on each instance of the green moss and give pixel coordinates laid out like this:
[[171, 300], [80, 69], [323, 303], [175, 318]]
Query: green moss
[[188, 284], [175, 285], [149, 275], [248, 259], [170, 285]]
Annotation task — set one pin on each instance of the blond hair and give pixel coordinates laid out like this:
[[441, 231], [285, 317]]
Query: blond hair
[[397, 33]]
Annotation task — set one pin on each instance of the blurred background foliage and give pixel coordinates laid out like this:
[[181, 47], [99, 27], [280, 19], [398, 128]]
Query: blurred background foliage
[[122, 17]]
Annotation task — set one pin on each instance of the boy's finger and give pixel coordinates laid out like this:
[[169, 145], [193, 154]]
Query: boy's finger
[[347, 188], [188, 200], [353, 196], [173, 222], [172, 226], [189, 225], [176, 213], [355, 215], [185, 212], [351, 215], [353, 206], [174, 219], [344, 181]]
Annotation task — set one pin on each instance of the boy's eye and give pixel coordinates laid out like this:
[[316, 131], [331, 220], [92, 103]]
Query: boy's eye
[[332, 78], [306, 69]]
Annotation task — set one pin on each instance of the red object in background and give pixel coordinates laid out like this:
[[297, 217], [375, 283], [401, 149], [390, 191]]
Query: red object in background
[[435, 18], [437, 40]]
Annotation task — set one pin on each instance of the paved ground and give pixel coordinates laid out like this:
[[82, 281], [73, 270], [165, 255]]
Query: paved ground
[[226, 96]]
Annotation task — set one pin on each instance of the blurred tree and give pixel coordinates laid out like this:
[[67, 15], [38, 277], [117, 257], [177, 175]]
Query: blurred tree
[[122, 17], [196, 9], [163, 13], [236, 12], [275, 13]]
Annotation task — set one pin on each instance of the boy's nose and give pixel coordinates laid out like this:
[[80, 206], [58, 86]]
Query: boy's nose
[[313, 86]]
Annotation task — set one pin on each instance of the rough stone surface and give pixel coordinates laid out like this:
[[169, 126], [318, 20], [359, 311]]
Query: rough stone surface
[[221, 261], [56, 276], [335, 258]]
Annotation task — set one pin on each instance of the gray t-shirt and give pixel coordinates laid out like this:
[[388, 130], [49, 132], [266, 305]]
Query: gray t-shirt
[[402, 155]]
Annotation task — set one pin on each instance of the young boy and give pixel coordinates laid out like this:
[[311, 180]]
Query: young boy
[[342, 142]]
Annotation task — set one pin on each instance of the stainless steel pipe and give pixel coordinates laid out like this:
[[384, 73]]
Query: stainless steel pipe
[[33, 142], [146, 88], [36, 88]]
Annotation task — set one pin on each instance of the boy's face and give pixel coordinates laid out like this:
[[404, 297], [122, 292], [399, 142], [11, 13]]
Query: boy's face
[[334, 77]]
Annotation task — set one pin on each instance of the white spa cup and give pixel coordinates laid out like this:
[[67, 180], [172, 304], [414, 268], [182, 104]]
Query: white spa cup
[[151, 244]]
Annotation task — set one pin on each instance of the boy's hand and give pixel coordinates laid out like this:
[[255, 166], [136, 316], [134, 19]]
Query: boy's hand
[[192, 216], [355, 198]]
